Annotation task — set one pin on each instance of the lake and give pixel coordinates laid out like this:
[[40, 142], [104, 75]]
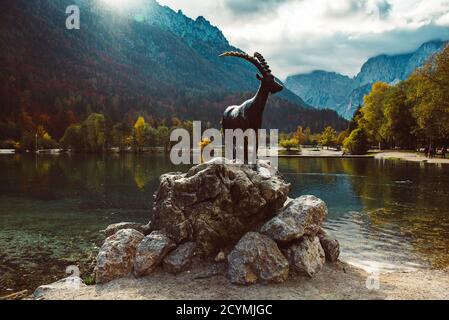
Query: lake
[[388, 215]]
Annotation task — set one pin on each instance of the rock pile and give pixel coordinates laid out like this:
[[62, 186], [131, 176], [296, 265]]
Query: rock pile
[[226, 213]]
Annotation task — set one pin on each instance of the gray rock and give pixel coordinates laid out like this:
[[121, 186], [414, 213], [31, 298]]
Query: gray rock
[[299, 217], [306, 257], [257, 258], [217, 202], [330, 245], [180, 259], [150, 252], [113, 228], [116, 256]]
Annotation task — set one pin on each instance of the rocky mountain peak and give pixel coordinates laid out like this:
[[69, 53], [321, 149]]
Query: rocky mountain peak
[[193, 31], [338, 92]]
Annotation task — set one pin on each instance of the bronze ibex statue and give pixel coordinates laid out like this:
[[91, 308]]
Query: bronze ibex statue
[[249, 114]]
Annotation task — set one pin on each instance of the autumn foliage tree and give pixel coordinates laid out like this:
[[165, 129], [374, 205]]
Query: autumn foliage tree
[[415, 111], [93, 132], [140, 129], [429, 94], [300, 135], [328, 138]]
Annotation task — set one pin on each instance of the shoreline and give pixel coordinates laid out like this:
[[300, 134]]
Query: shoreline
[[409, 156], [336, 281]]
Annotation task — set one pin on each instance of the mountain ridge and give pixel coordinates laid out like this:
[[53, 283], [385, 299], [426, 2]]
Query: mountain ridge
[[122, 67], [383, 67]]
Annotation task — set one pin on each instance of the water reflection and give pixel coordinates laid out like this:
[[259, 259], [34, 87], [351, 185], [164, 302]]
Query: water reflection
[[387, 214]]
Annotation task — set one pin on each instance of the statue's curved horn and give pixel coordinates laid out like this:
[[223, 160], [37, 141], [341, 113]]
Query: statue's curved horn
[[248, 58], [263, 62]]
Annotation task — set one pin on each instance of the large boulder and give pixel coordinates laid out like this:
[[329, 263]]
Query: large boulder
[[113, 228], [299, 217], [116, 256], [179, 260], [257, 257], [217, 202], [306, 257], [151, 251]]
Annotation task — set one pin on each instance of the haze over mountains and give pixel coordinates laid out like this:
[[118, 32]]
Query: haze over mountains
[[154, 61], [344, 94]]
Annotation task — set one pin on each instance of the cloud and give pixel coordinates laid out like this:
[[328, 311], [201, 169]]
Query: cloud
[[346, 8], [304, 35], [253, 7]]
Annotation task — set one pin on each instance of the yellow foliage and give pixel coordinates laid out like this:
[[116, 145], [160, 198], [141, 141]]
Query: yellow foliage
[[289, 143], [140, 127], [203, 144]]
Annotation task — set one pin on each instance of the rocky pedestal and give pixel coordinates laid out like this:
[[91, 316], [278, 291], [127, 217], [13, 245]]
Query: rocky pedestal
[[215, 203], [227, 213]]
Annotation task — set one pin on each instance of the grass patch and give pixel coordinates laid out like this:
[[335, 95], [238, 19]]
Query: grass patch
[[89, 280]]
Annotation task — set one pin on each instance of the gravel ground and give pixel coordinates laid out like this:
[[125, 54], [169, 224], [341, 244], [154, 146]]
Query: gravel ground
[[335, 281]]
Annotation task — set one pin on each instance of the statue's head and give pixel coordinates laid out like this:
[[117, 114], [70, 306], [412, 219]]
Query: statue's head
[[261, 64], [271, 82]]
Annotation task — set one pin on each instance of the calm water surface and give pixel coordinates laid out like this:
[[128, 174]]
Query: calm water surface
[[388, 215]]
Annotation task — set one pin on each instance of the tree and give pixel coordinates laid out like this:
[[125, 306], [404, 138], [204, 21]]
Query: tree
[[9, 130], [308, 136], [373, 112], [289, 144], [163, 134], [300, 135], [354, 123], [93, 131], [140, 128], [151, 137], [357, 142], [73, 138], [26, 122], [203, 144], [429, 92], [399, 122], [44, 139], [328, 138], [28, 141], [119, 135], [342, 137]]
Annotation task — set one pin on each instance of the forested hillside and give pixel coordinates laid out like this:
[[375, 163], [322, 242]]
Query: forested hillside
[[124, 67]]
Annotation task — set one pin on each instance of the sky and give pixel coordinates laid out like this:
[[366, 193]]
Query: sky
[[299, 36]]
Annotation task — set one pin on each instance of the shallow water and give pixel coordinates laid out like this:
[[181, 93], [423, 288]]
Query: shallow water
[[388, 215]]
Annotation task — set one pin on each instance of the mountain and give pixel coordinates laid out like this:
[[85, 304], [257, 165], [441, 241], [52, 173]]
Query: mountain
[[343, 94], [152, 61], [320, 88]]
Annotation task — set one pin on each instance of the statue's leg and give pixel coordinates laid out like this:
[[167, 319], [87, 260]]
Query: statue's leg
[[257, 145], [245, 151]]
